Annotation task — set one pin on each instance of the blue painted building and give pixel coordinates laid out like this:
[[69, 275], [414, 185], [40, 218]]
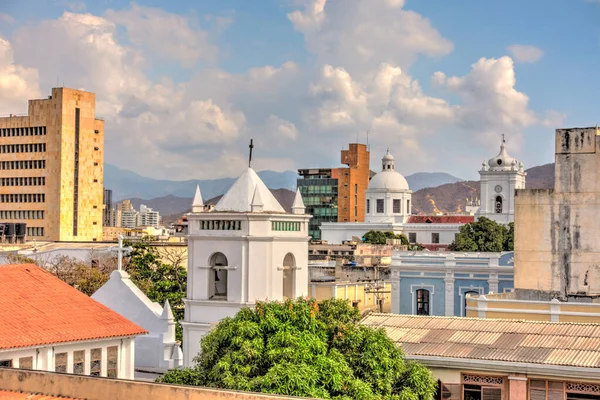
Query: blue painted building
[[438, 283]]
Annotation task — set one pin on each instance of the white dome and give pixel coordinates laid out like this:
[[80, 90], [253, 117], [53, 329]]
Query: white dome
[[389, 179], [502, 160]]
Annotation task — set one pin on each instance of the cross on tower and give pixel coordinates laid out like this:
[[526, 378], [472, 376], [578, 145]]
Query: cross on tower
[[503, 141], [121, 250], [250, 157]]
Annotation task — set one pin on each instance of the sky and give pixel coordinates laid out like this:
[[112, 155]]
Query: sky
[[183, 85]]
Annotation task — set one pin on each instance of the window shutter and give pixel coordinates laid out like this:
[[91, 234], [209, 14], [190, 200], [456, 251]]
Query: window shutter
[[491, 393], [537, 394]]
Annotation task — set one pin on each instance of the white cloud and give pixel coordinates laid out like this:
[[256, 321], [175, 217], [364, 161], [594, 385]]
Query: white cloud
[[358, 34], [17, 83], [298, 115], [525, 53], [490, 105], [169, 35]]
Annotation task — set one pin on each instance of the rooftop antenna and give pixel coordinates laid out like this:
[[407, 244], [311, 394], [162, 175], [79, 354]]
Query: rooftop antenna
[[250, 157], [368, 147]]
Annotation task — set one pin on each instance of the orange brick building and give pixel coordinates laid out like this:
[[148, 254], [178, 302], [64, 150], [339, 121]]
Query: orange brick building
[[336, 194]]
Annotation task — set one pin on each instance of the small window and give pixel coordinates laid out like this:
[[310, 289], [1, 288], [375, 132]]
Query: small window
[[112, 361], [6, 363], [78, 362], [95, 362], [435, 238], [368, 206], [408, 211], [380, 206], [60, 362], [422, 301], [26, 363], [397, 205], [412, 237]]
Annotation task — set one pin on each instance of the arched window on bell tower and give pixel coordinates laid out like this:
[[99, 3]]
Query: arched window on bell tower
[[498, 205]]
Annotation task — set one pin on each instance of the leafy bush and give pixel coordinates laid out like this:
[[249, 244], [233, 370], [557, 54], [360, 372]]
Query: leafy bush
[[302, 348]]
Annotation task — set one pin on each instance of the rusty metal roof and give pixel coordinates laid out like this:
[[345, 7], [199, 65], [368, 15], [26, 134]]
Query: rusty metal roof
[[534, 342]]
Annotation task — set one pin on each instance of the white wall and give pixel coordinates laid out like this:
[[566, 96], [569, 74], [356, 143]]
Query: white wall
[[157, 349], [44, 356]]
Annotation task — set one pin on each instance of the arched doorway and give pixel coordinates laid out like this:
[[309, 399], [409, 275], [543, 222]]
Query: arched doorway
[[468, 293], [218, 277], [289, 264]]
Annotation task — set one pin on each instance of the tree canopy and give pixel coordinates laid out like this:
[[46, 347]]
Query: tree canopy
[[484, 235], [302, 348], [159, 280], [380, 237]]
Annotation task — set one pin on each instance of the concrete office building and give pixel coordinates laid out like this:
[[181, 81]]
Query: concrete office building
[[51, 168]]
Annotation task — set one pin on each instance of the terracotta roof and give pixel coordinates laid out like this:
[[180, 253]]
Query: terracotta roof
[[440, 219], [534, 342], [9, 395], [37, 308]]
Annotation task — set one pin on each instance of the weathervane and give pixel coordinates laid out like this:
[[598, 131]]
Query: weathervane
[[250, 157]]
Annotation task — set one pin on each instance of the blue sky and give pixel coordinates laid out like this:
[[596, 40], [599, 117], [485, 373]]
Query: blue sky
[[217, 72]]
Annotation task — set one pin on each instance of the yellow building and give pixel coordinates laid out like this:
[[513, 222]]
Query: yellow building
[[51, 168], [359, 293]]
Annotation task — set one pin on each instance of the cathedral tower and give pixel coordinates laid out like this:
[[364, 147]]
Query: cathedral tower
[[500, 177]]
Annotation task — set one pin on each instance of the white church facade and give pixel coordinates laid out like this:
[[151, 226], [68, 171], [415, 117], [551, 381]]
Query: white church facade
[[246, 249], [388, 205]]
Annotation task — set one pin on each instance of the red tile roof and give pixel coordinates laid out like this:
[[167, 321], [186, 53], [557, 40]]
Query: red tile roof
[[37, 308], [440, 219], [9, 395]]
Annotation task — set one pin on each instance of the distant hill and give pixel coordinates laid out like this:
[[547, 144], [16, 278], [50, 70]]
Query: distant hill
[[452, 197], [126, 184], [432, 191], [422, 180], [172, 207]]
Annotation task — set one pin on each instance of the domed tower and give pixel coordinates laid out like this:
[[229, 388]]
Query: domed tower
[[388, 197], [500, 177]]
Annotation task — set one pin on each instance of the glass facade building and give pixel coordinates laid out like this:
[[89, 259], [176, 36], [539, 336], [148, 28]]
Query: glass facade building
[[319, 192]]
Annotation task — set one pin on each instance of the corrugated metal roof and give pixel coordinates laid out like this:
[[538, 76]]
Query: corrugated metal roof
[[535, 342]]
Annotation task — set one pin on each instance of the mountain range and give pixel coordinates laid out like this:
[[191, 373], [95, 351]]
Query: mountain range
[[126, 184], [432, 192]]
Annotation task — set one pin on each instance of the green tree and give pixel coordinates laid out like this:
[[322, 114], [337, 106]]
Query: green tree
[[484, 235], [301, 348], [380, 237], [158, 280]]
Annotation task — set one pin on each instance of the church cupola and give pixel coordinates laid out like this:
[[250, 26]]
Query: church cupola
[[387, 161], [502, 161]]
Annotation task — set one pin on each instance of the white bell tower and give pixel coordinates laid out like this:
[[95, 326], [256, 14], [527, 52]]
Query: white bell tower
[[247, 248], [500, 176]]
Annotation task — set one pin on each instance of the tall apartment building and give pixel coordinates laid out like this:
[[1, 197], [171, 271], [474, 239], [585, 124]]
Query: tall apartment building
[[336, 194], [107, 208], [51, 167]]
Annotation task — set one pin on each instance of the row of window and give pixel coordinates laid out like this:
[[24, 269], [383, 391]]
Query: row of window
[[221, 225], [30, 131], [23, 181], [435, 237], [494, 388], [285, 226], [23, 148], [61, 361], [314, 189], [22, 198], [23, 164], [22, 214], [35, 231], [396, 206]]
